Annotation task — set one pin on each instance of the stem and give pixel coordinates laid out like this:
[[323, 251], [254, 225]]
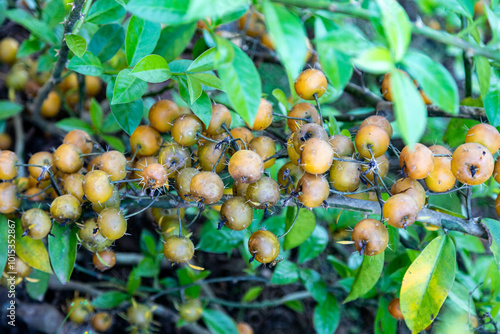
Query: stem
[[180, 221], [233, 142], [291, 226], [467, 65], [468, 198], [268, 303], [69, 24], [54, 184], [144, 209], [81, 92], [220, 157], [319, 109], [308, 119], [79, 24], [206, 138], [126, 181]]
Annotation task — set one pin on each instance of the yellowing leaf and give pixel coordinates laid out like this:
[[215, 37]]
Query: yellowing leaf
[[33, 252], [427, 283]]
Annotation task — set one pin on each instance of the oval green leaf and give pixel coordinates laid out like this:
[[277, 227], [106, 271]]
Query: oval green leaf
[[367, 276], [411, 113], [218, 322], [397, 27], [105, 11], [107, 41], [173, 40], [77, 44], [109, 300], [286, 272], [204, 62], [152, 68], [376, 60], [39, 284], [326, 316], [86, 65], [127, 88], [314, 245], [493, 228], [31, 251], [427, 282], [302, 229], [62, 250], [9, 109], [4, 240], [141, 39]]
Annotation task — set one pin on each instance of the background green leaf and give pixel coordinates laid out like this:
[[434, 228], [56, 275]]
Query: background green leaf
[[397, 27], [367, 276], [106, 42], [314, 245], [173, 40], [105, 11], [493, 228], [9, 109], [302, 230], [326, 316], [218, 322], [109, 300], [62, 250], [286, 272]]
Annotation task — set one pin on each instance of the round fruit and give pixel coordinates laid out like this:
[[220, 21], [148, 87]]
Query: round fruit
[[68, 159], [441, 178], [240, 189], [472, 163], [316, 156], [370, 237], [380, 121], [8, 50], [145, 140], [242, 133], [92, 86], [374, 138], [97, 186], [91, 238], [345, 175], [183, 183], [486, 135], [416, 162], [114, 164], [293, 155], [5, 141], [9, 201], [302, 110], [154, 176], [79, 310], [207, 186], [309, 83], [178, 249], [264, 246], [65, 208], [35, 195], [73, 185], [313, 190], [36, 223], [244, 328], [395, 309], [139, 315], [246, 166], [220, 116], [160, 214], [51, 105], [342, 145], [263, 193], [113, 202], [236, 213], [307, 132], [400, 210], [264, 116], [104, 260], [185, 130], [80, 139], [209, 154], [163, 114], [70, 82], [191, 310], [174, 157], [8, 165], [265, 147], [410, 187], [41, 159], [112, 224], [142, 163], [102, 321], [289, 176]]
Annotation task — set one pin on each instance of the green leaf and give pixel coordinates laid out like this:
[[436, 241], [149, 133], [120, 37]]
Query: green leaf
[[127, 88], [86, 65], [53, 13], [134, 281], [252, 294], [242, 84], [174, 40], [492, 103], [302, 229], [141, 39], [37, 287], [4, 239], [411, 113], [198, 9], [114, 142], [314, 284], [435, 80], [337, 65], [202, 107], [31, 251], [62, 250], [96, 113], [205, 62], [397, 27], [128, 115], [427, 282], [105, 11], [281, 97], [148, 267], [29, 46], [9, 109], [38, 28], [152, 68], [218, 241], [385, 323], [110, 125], [295, 305], [70, 123], [493, 228], [168, 12], [107, 41], [483, 70], [207, 79], [218, 322], [3, 10], [77, 44], [109, 300], [194, 88], [367, 276], [286, 272], [288, 35], [326, 316], [314, 245], [148, 243], [377, 60]]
